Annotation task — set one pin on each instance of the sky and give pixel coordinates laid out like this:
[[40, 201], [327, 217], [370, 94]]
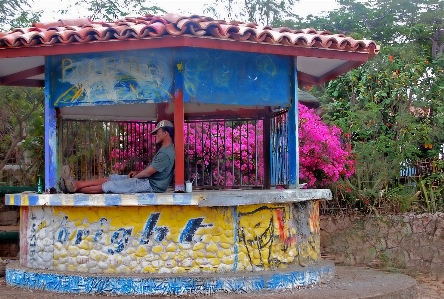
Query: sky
[[302, 8]]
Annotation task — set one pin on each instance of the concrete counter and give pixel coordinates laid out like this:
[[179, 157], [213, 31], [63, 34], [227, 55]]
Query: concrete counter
[[206, 233], [207, 198]]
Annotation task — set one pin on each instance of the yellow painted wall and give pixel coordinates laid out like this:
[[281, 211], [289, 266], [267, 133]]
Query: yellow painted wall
[[171, 239]]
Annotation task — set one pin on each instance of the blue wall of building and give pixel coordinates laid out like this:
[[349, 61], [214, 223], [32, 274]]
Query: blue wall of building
[[112, 78], [239, 78], [147, 76]]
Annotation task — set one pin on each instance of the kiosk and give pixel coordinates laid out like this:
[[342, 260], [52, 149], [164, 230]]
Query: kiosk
[[238, 237]]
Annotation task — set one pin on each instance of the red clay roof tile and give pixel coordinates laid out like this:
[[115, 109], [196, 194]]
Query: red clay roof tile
[[84, 30]]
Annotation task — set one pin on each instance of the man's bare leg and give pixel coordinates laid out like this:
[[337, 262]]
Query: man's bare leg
[[96, 185], [96, 189]]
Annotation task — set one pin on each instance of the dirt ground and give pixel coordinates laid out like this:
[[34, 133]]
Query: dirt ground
[[427, 288]]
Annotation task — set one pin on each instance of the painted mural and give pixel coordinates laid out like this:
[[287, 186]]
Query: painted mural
[[178, 285], [278, 236], [216, 76], [147, 76], [112, 78], [169, 239]]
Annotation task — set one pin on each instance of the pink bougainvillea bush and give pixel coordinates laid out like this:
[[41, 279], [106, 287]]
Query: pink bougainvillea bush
[[132, 147], [322, 157], [221, 153], [228, 154]]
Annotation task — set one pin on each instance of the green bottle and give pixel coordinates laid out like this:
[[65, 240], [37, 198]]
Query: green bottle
[[39, 185]]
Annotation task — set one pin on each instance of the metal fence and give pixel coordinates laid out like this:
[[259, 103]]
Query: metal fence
[[279, 164], [95, 149], [219, 153], [224, 153]]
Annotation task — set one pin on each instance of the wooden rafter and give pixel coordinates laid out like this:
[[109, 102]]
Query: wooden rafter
[[21, 78]]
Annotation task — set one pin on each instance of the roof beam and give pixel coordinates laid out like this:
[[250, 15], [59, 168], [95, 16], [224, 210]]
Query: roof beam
[[22, 76], [342, 69], [27, 83], [307, 79]]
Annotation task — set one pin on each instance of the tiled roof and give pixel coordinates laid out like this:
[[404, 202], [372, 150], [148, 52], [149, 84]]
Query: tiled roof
[[78, 31]]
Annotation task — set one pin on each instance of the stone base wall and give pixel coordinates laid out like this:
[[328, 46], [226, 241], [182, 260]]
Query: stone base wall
[[9, 238], [408, 241], [169, 239]]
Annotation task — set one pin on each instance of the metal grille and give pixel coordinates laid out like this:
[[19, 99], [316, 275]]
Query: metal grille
[[221, 153], [95, 149], [279, 171], [224, 153]]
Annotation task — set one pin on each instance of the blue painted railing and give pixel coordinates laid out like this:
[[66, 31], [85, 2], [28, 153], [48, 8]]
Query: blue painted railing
[[279, 158]]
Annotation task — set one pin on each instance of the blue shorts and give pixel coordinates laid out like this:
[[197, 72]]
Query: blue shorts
[[122, 184]]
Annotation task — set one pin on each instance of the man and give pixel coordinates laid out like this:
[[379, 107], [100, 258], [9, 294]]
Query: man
[[154, 178]]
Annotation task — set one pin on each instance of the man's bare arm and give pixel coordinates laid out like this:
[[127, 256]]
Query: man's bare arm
[[146, 173]]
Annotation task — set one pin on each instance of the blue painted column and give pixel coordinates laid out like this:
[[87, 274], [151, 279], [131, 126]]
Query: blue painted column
[[293, 135], [179, 122], [50, 131]]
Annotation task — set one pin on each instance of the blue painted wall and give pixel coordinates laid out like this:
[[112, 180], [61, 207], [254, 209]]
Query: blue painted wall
[[51, 153], [112, 78], [144, 76], [226, 77], [293, 128], [153, 75]]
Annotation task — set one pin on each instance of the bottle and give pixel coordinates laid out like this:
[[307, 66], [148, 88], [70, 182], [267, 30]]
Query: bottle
[[39, 185]]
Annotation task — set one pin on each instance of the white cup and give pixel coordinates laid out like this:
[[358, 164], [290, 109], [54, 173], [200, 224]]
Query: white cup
[[188, 187]]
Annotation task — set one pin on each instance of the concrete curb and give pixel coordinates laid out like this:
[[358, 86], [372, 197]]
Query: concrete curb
[[289, 278], [348, 282]]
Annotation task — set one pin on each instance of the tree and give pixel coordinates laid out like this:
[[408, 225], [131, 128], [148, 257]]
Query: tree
[[8, 9], [24, 19], [429, 29], [21, 109], [111, 10], [388, 22], [21, 130], [264, 12], [390, 109], [392, 113]]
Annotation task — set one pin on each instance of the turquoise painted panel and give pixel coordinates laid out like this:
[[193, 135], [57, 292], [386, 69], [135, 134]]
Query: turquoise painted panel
[[142, 76], [227, 77]]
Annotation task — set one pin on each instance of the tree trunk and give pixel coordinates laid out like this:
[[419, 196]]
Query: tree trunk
[[14, 143]]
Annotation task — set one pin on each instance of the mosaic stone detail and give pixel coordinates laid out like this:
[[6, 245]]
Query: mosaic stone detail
[[180, 285], [170, 239]]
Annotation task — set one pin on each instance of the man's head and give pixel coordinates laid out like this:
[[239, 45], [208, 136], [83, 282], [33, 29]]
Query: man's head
[[163, 128]]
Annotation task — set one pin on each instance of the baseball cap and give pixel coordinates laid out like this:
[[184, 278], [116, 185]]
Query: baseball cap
[[162, 124]]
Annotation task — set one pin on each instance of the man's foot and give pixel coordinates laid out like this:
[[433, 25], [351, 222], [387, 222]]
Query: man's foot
[[62, 186], [68, 180]]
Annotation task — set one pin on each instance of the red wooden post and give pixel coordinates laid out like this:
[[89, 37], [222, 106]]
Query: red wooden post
[[179, 122]]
